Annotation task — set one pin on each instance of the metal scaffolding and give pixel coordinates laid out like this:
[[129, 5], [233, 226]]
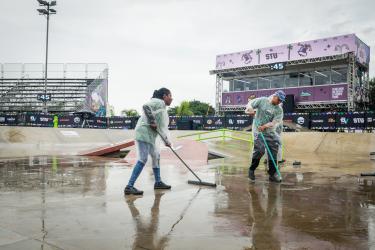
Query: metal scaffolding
[[357, 90]]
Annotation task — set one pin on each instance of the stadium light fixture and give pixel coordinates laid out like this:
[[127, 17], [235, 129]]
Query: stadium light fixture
[[42, 11], [43, 3], [52, 11], [53, 3]]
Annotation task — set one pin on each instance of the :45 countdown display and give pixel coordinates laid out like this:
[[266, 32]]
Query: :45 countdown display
[[277, 66]]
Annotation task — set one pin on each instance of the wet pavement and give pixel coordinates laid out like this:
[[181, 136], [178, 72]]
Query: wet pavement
[[59, 202]]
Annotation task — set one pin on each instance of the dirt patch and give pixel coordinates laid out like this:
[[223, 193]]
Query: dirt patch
[[14, 135]]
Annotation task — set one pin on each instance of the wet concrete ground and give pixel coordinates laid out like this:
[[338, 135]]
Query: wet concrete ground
[[78, 203]]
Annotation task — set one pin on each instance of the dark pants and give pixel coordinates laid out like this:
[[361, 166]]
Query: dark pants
[[260, 148]]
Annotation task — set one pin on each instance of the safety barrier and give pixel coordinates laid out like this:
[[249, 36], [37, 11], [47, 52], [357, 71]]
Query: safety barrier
[[317, 121], [221, 134]]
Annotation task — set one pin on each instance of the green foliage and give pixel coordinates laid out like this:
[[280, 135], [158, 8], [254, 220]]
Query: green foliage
[[184, 109], [172, 111], [192, 108], [111, 111], [201, 108], [129, 112]]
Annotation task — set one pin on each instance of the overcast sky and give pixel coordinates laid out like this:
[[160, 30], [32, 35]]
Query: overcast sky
[[173, 43]]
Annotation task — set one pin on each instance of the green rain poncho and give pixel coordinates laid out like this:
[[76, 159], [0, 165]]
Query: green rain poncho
[[266, 114], [154, 111]]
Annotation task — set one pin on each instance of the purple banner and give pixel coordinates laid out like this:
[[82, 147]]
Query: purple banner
[[328, 93], [297, 51]]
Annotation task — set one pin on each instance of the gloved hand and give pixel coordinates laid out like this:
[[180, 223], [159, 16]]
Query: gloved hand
[[154, 126], [262, 128]]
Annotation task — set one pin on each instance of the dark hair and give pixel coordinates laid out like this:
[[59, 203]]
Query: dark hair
[[160, 93]]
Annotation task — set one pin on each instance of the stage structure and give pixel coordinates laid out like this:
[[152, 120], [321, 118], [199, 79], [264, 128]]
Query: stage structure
[[70, 87], [329, 74]]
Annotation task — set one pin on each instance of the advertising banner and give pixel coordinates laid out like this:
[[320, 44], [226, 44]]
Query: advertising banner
[[39, 120], [328, 93], [238, 122], [213, 122], [326, 121], [351, 120], [302, 119], [8, 120], [296, 51]]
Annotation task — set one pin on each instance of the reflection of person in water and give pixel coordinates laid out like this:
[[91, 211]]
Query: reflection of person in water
[[264, 217], [145, 237]]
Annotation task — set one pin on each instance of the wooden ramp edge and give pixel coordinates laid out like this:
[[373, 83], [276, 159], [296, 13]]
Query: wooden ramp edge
[[107, 150]]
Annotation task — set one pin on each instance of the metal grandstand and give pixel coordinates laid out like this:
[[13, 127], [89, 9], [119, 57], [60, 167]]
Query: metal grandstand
[[68, 84]]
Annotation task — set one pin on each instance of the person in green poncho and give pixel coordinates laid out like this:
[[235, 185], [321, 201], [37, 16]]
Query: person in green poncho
[[153, 120], [268, 116]]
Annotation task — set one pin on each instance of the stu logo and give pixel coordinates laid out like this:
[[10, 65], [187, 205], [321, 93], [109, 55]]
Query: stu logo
[[359, 120], [271, 56]]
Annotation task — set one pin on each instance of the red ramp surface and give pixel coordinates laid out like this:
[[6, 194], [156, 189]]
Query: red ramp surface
[[107, 149]]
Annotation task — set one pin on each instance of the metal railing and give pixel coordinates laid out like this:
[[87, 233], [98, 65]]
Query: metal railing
[[222, 134], [55, 70]]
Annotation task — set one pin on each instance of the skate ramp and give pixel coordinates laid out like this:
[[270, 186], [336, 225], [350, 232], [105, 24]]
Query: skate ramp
[[194, 153], [360, 144], [28, 141]]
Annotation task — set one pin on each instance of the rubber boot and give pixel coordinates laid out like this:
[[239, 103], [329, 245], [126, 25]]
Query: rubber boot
[[158, 183], [254, 165]]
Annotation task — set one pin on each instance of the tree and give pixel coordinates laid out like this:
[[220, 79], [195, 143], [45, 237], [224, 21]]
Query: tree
[[201, 108], [184, 109], [372, 94], [111, 110], [192, 108], [172, 111], [129, 112]]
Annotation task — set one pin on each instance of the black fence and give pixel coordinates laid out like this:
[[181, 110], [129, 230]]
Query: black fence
[[315, 121]]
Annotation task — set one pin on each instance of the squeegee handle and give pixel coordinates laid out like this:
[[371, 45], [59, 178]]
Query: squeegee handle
[[269, 152], [179, 157]]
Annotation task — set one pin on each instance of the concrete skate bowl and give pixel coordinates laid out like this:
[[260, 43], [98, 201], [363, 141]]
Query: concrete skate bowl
[[358, 144], [330, 143], [318, 152], [27, 141], [13, 135], [194, 153]]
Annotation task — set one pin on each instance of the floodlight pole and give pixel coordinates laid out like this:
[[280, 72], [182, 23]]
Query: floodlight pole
[[46, 64]]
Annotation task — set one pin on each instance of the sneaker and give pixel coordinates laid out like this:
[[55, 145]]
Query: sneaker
[[251, 175], [282, 161], [161, 185], [132, 190], [275, 178]]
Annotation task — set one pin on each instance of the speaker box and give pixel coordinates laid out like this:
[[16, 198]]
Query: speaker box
[[288, 105]]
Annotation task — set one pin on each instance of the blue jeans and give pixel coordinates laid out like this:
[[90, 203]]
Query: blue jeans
[[144, 149]]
